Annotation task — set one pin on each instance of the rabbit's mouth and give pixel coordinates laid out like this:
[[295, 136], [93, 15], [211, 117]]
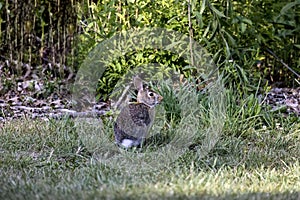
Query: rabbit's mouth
[[159, 99], [157, 102]]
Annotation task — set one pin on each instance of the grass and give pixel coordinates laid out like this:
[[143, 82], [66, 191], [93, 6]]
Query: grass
[[256, 157]]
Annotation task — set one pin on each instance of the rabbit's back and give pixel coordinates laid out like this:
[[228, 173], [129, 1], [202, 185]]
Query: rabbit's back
[[140, 114], [133, 122]]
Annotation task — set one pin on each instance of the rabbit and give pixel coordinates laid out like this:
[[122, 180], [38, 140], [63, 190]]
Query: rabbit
[[136, 118]]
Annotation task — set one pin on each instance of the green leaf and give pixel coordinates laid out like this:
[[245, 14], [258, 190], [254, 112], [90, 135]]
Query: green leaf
[[203, 7], [206, 31], [297, 45], [151, 57], [289, 6], [247, 21], [217, 12], [232, 41], [286, 8], [243, 27], [170, 46]]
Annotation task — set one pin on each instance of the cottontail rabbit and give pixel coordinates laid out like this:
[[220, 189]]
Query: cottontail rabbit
[[136, 119]]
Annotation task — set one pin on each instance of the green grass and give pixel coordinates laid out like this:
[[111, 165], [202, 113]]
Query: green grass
[[256, 157]]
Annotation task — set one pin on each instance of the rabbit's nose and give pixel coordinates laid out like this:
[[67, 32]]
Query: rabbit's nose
[[160, 98]]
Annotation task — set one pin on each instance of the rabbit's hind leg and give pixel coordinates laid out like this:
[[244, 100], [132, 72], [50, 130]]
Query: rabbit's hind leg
[[125, 140]]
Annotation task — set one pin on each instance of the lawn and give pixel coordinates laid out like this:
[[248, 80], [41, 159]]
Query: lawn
[[254, 158]]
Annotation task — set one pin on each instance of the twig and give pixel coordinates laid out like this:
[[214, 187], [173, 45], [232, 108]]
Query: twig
[[190, 32], [87, 114], [122, 97], [281, 61]]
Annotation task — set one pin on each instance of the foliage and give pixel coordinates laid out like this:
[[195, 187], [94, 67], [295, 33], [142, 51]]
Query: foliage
[[37, 32], [237, 33]]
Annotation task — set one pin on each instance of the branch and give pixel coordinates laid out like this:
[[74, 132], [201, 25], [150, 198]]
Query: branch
[[281, 61], [190, 32]]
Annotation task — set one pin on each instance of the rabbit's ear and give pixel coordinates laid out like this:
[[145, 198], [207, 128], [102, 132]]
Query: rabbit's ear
[[138, 83]]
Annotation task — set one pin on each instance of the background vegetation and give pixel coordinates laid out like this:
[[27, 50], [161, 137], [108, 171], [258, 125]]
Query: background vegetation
[[51, 38]]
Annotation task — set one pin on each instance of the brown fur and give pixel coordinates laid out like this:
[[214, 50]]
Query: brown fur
[[136, 119]]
